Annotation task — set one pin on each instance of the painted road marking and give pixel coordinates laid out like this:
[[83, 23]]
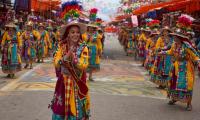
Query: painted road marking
[[9, 85], [114, 88]]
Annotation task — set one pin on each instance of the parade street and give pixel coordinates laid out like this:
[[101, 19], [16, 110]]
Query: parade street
[[121, 91]]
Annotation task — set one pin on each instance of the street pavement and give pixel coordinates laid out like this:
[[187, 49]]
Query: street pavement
[[121, 91]]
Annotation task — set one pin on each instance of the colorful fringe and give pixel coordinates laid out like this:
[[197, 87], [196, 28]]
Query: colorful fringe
[[180, 95]]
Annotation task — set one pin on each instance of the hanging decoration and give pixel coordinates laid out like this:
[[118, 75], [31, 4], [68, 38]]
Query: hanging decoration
[[71, 10], [93, 14]]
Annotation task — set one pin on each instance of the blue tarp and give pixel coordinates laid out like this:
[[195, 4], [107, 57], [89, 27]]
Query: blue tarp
[[24, 5]]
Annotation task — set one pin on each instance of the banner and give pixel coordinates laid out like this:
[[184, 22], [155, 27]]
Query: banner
[[134, 20]]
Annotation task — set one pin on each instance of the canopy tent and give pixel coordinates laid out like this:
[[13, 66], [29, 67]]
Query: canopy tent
[[188, 6], [37, 5], [171, 6], [45, 5], [122, 17]]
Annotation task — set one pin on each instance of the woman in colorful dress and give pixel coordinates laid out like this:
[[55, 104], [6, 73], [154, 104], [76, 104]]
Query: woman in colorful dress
[[71, 99], [131, 44], [52, 37], [142, 44], [42, 44], [56, 40], [100, 31], [185, 57], [93, 39], [29, 45], [125, 39], [95, 50], [162, 64], [11, 46], [150, 48]]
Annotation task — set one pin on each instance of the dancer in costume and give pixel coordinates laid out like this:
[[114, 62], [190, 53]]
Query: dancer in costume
[[100, 31], [162, 64], [86, 36], [30, 37], [182, 72], [52, 37], [131, 44], [142, 44], [95, 49], [125, 39], [11, 46], [56, 40], [71, 99], [150, 49], [42, 44], [185, 58]]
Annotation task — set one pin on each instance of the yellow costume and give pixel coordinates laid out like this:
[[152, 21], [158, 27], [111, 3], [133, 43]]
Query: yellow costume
[[11, 59], [67, 101], [182, 71]]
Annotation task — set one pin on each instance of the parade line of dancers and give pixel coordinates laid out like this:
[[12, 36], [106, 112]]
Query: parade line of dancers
[[170, 55]]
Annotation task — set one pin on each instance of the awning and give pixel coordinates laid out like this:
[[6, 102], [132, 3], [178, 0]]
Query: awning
[[188, 6], [45, 5], [147, 8], [122, 17]]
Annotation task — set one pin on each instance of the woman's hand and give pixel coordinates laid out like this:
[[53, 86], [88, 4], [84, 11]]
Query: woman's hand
[[68, 54]]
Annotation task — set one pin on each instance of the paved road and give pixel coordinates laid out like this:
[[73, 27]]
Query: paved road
[[121, 91]]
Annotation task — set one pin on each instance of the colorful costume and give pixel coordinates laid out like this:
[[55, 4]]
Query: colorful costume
[[42, 45], [67, 103], [150, 49], [11, 60], [162, 64], [85, 37], [52, 43], [141, 46], [56, 42], [95, 49], [131, 44], [182, 71], [29, 45]]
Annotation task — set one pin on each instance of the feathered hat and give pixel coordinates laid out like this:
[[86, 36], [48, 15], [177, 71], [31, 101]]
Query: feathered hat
[[63, 28], [183, 26], [71, 10], [11, 25]]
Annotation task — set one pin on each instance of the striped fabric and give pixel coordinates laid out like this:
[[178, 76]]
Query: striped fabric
[[68, 87]]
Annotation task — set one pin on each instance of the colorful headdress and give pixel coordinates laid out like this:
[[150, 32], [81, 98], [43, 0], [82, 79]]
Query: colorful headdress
[[71, 10], [93, 14], [183, 26], [155, 32], [11, 25], [154, 24], [184, 23], [98, 21]]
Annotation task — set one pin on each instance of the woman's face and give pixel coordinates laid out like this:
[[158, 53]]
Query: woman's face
[[12, 30], [29, 28], [74, 34], [41, 28], [165, 32], [177, 40]]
